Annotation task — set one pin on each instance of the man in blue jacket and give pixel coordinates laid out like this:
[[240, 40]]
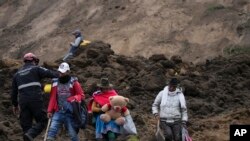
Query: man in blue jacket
[[74, 45], [27, 96]]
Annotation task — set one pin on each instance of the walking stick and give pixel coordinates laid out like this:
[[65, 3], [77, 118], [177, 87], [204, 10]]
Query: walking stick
[[47, 129]]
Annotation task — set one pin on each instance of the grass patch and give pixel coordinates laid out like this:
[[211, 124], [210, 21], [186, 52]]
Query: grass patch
[[2, 2], [133, 138], [212, 8], [236, 49], [215, 7]]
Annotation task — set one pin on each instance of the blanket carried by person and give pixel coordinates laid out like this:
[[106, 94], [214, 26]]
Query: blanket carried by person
[[101, 98]]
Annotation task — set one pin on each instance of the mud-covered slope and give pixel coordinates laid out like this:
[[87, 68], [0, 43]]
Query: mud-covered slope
[[217, 92], [195, 29]]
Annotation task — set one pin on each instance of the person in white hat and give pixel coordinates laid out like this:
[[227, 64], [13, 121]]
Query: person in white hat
[[65, 90]]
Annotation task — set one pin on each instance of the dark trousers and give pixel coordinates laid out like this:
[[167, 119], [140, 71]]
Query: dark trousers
[[172, 131], [73, 50], [29, 111]]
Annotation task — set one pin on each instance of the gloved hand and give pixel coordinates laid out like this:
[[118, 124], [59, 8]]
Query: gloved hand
[[184, 124], [49, 115], [15, 110], [157, 116]]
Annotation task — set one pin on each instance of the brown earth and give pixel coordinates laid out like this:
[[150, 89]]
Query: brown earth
[[217, 92], [194, 29], [147, 39]]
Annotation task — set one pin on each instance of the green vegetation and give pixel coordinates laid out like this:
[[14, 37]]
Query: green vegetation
[[133, 138], [236, 49], [214, 7], [246, 24]]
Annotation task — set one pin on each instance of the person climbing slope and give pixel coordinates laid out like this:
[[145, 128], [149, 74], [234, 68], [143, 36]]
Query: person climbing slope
[[27, 96], [65, 91], [74, 45]]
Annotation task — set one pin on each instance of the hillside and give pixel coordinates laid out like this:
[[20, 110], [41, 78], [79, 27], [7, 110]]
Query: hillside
[[139, 45], [217, 92], [194, 29]]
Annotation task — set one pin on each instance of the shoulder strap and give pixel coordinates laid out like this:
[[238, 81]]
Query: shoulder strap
[[54, 82]]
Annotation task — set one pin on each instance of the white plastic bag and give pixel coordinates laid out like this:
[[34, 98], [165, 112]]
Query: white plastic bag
[[185, 135], [129, 127], [159, 134]]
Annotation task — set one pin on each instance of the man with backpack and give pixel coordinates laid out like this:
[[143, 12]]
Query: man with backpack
[[27, 96], [170, 109], [65, 92], [74, 45]]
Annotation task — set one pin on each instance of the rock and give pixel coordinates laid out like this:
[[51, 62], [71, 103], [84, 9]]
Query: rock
[[157, 57], [176, 59], [167, 64]]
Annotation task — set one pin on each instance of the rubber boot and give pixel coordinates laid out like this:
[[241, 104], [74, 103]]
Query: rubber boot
[[111, 136]]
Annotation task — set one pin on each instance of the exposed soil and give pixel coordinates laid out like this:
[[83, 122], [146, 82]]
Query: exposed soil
[[205, 43], [194, 29], [217, 92]]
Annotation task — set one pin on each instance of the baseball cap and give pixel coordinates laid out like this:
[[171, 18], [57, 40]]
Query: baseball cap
[[174, 82], [64, 67]]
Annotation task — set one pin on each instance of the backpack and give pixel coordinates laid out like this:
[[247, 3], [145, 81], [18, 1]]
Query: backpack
[[80, 113]]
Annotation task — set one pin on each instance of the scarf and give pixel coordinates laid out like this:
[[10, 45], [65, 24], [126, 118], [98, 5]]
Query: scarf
[[165, 94], [64, 79]]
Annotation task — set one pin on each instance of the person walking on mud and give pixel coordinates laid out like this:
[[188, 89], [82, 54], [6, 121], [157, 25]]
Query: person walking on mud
[[170, 109], [74, 45], [66, 90], [27, 96]]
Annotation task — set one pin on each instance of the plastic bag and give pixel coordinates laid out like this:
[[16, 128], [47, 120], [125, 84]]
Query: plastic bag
[[159, 134], [129, 126], [185, 135]]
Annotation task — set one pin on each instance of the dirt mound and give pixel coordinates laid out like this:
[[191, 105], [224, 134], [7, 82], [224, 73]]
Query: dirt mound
[[217, 92]]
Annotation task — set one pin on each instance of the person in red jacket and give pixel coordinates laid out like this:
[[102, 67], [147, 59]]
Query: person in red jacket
[[103, 131], [65, 90]]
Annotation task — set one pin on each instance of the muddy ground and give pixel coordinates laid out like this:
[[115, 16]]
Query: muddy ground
[[140, 45], [217, 92]]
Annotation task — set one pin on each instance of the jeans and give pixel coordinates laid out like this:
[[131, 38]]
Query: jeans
[[30, 110], [59, 118]]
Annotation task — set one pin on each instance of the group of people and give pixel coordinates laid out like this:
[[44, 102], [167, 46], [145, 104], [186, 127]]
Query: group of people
[[169, 107], [28, 101]]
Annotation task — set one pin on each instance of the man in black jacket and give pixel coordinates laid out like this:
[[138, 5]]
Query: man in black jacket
[[27, 96]]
